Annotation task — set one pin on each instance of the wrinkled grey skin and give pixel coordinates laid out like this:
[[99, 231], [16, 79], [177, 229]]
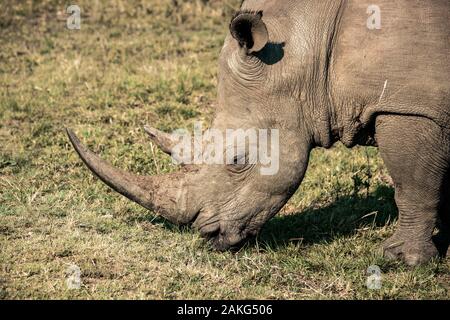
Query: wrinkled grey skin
[[313, 70]]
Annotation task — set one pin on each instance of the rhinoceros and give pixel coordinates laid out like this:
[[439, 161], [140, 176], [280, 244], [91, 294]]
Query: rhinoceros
[[372, 73]]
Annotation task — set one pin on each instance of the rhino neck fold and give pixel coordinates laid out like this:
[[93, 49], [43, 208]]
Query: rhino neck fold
[[326, 27]]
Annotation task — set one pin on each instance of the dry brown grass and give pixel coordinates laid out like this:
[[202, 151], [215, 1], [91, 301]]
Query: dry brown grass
[[139, 62]]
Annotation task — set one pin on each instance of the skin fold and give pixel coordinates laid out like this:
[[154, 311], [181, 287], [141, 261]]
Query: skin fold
[[313, 70]]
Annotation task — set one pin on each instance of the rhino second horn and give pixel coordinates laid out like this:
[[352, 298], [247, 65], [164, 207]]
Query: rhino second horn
[[163, 140], [163, 194]]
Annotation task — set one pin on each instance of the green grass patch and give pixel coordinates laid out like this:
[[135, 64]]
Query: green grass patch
[[155, 62]]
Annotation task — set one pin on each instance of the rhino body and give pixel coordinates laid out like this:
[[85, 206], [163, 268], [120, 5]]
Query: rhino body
[[316, 71]]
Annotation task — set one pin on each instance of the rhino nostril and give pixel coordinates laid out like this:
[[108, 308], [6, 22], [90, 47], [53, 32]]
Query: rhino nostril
[[210, 232], [222, 241]]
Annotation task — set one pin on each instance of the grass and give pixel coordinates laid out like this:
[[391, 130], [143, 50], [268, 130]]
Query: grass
[[154, 62]]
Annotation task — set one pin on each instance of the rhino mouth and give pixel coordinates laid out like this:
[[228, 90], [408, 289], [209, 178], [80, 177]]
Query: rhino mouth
[[224, 235], [222, 241]]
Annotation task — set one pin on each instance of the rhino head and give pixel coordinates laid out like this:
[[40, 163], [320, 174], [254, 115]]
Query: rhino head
[[260, 86]]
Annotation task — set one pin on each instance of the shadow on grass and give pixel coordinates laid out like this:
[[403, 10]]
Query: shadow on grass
[[343, 217], [317, 225]]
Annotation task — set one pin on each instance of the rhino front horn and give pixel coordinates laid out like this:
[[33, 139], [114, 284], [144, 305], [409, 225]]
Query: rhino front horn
[[163, 194]]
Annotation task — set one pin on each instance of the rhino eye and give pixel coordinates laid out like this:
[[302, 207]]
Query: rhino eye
[[240, 164], [238, 160]]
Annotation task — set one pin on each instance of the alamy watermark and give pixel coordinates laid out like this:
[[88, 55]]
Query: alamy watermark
[[230, 147], [373, 278], [73, 22], [374, 20], [73, 277]]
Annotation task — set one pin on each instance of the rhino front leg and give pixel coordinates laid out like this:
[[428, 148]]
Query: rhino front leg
[[442, 239], [416, 153]]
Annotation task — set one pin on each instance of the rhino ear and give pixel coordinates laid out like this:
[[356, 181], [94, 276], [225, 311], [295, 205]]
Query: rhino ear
[[250, 31]]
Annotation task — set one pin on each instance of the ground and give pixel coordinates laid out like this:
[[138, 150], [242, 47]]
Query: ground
[[154, 62]]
